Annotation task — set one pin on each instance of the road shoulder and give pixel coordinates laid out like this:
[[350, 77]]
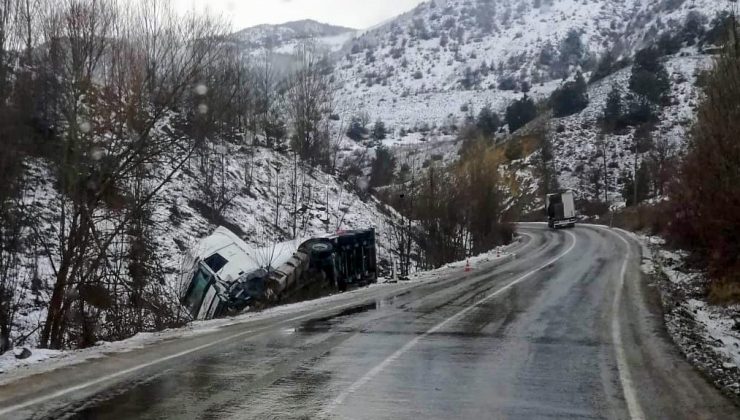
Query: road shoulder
[[708, 336], [669, 386]]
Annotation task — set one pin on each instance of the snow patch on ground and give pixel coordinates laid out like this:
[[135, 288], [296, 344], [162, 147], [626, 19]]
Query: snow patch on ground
[[43, 360], [8, 361], [486, 260], [708, 335]]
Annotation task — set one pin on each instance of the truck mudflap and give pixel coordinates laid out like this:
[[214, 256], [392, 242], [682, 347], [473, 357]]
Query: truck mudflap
[[567, 223]]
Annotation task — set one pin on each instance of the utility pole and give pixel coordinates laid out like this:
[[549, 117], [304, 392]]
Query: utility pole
[[402, 241], [294, 194], [277, 197], [327, 208], [634, 177]]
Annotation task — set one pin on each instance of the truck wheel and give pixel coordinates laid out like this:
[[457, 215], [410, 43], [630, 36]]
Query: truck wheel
[[320, 249]]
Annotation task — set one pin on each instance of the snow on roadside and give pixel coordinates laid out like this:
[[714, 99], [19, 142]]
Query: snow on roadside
[[485, 260], [8, 362], [708, 335], [43, 360]]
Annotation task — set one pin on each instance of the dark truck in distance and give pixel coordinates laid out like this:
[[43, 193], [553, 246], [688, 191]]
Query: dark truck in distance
[[561, 210], [223, 276]]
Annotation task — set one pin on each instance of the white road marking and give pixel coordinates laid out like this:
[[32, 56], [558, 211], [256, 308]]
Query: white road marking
[[628, 388], [354, 387], [102, 379], [65, 391]]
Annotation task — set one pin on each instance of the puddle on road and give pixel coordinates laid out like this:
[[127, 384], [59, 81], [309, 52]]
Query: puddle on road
[[324, 324], [393, 299]]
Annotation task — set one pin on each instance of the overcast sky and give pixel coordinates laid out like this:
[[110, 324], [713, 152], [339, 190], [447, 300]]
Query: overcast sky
[[359, 14]]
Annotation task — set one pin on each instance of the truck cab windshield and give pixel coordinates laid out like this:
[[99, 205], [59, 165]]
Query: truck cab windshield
[[198, 288]]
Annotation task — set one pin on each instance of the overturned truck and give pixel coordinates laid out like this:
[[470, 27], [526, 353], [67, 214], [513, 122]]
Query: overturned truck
[[223, 276]]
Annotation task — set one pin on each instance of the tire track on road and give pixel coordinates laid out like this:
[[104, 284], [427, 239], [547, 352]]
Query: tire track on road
[[354, 387]]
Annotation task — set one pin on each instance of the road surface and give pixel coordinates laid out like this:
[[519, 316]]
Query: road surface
[[568, 329]]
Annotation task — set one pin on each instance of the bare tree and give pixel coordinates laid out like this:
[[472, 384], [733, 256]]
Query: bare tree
[[308, 102], [268, 102], [662, 164], [335, 146], [13, 219], [602, 145], [705, 199], [17, 25], [7, 12], [402, 230], [138, 90], [217, 189]]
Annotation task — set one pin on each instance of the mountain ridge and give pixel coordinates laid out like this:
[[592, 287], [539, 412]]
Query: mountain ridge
[[285, 37], [441, 56]]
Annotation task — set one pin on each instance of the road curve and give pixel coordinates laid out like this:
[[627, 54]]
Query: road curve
[[568, 329]]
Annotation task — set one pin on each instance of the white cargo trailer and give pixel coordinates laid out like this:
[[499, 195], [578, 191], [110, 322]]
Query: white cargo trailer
[[561, 210]]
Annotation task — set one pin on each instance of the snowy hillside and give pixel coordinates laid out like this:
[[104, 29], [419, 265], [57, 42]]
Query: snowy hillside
[[284, 38], [426, 66], [325, 204], [257, 185], [576, 138]]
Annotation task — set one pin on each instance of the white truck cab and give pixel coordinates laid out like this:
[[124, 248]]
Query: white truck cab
[[222, 273]]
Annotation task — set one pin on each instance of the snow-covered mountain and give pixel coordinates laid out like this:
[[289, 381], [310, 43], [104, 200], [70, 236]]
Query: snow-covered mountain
[[423, 72], [284, 38], [578, 141], [431, 65]]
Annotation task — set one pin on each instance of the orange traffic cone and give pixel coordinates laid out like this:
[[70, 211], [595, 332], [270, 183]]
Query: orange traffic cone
[[467, 267]]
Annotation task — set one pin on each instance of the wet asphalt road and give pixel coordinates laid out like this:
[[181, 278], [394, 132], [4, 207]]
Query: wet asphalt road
[[567, 330]]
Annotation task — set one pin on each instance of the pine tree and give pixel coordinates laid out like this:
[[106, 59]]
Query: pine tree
[[570, 98], [572, 49], [520, 112], [488, 122], [379, 131], [613, 109], [641, 180], [649, 78], [382, 168]]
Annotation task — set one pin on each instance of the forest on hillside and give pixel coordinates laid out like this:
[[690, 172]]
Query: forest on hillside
[[117, 98]]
